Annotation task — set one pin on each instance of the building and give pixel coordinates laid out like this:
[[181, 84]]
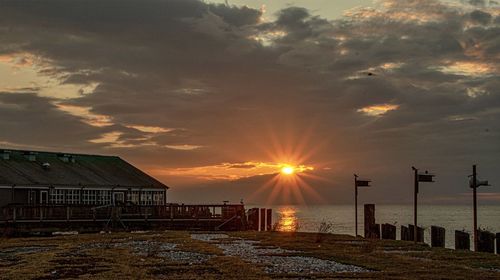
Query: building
[[45, 178]]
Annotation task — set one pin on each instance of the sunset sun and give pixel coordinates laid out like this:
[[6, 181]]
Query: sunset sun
[[287, 170]]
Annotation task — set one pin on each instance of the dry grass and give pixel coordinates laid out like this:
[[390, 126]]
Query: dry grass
[[388, 259], [73, 257]]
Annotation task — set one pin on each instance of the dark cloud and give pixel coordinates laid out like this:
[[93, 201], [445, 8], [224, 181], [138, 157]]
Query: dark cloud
[[232, 88]]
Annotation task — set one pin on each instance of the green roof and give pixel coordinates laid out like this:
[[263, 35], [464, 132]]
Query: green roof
[[19, 167]]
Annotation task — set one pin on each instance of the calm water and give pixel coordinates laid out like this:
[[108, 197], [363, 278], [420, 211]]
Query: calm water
[[451, 217]]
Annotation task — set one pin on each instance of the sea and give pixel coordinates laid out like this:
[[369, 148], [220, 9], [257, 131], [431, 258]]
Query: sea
[[341, 218]]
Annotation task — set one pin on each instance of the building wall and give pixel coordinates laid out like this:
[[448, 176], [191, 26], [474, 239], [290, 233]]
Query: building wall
[[20, 196], [4, 197]]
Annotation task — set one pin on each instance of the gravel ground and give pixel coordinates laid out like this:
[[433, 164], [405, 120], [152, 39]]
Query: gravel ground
[[146, 248], [275, 260]]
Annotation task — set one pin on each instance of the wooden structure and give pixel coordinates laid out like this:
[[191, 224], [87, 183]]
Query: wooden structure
[[498, 242], [46, 178], [89, 218], [438, 235], [418, 230], [372, 230], [405, 234], [462, 240], [485, 241], [388, 231]]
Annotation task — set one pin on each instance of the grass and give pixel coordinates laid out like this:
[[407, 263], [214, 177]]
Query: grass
[[76, 257]]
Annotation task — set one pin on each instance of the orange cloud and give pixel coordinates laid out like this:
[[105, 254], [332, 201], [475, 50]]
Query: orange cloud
[[230, 171], [378, 110]]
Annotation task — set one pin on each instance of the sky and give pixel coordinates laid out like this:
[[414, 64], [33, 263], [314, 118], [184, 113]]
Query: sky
[[215, 98]]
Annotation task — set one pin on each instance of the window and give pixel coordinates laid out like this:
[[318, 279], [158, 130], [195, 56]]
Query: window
[[146, 198], [104, 197], [89, 197], [158, 198], [57, 196], [133, 196], [72, 196]]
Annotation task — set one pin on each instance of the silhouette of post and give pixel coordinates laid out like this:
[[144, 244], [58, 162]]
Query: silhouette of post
[[486, 241], [415, 197], [389, 231], [438, 235], [356, 205], [405, 233], [426, 177], [498, 242], [474, 198], [462, 240], [269, 219], [262, 219], [474, 184], [370, 226], [358, 183]]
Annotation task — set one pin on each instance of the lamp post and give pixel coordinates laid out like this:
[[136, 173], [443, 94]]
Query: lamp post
[[358, 183], [426, 177], [474, 184]]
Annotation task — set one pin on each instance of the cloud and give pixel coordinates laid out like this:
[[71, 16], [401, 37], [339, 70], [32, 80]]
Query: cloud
[[188, 84]]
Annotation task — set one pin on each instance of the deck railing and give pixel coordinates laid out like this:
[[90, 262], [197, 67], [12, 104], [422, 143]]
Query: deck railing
[[24, 213]]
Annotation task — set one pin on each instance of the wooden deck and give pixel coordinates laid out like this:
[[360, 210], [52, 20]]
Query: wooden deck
[[92, 218]]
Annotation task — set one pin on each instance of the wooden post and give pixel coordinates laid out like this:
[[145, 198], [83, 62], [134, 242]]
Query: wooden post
[[420, 233], [485, 241], [405, 234], [269, 219], [67, 213], [415, 197], [375, 230], [438, 236], [498, 243], [253, 219], [389, 231], [356, 206], [369, 220], [262, 219], [474, 204], [462, 240]]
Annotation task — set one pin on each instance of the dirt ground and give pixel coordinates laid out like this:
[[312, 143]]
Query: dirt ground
[[175, 255]]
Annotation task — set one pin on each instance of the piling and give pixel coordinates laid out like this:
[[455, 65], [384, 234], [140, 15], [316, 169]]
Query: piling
[[370, 221], [389, 231], [462, 240], [375, 231], [438, 235], [498, 242], [405, 235], [253, 219], [485, 241], [262, 219], [269, 219], [420, 233]]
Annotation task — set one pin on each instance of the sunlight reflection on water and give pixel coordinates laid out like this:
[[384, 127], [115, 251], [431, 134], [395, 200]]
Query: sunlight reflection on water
[[287, 219]]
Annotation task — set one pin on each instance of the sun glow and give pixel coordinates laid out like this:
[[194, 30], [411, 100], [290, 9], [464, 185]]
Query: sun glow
[[287, 170]]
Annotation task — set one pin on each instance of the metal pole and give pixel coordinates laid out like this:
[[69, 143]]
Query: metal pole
[[474, 187], [356, 205], [415, 196]]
